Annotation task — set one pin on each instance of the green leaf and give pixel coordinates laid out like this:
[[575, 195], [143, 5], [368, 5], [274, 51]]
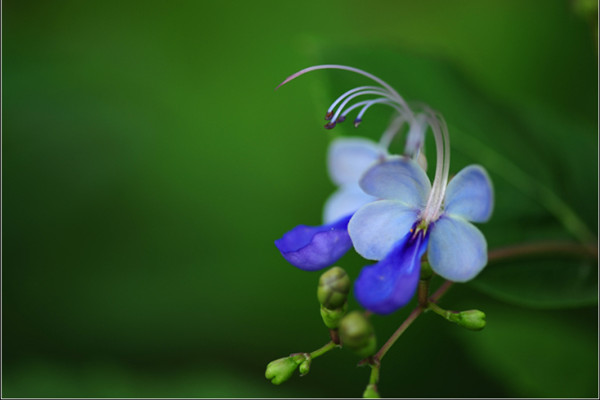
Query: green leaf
[[536, 353], [541, 283]]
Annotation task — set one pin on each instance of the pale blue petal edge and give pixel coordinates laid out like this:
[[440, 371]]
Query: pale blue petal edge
[[349, 158], [376, 227], [400, 179], [345, 201], [457, 249], [470, 194]]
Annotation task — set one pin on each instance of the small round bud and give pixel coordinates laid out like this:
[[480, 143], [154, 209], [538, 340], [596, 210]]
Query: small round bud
[[305, 367], [334, 286], [357, 334], [280, 370], [371, 392], [471, 319], [332, 318]]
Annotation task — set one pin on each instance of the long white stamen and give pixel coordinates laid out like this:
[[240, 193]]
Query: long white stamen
[[349, 92], [446, 171], [391, 131], [379, 100], [389, 88], [440, 181], [368, 105], [352, 96], [415, 138]]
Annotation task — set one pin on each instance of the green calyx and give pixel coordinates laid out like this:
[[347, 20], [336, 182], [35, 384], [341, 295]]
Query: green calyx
[[305, 367], [357, 334], [470, 319], [426, 271], [332, 318], [281, 370], [334, 286]]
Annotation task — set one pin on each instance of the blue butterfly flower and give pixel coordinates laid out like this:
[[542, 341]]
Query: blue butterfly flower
[[387, 208], [398, 229]]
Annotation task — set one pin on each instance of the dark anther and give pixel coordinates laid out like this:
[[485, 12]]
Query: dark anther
[[330, 125], [329, 115]]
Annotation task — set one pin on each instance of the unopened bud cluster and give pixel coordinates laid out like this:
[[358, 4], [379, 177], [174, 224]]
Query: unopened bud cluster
[[357, 334], [470, 319], [282, 369], [333, 290]]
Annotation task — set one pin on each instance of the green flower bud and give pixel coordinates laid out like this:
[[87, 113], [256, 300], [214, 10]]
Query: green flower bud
[[357, 334], [426, 271], [471, 319], [334, 286], [371, 392], [305, 367], [332, 318], [281, 370]]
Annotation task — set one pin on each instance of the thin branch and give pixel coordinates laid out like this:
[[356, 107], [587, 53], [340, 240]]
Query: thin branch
[[590, 250]]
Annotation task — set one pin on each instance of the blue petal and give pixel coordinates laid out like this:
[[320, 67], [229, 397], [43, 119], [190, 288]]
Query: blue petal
[[377, 227], [345, 201], [400, 179], [315, 247], [457, 249], [349, 158], [470, 195], [391, 283]]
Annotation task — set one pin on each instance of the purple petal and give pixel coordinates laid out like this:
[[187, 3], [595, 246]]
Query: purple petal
[[470, 195], [400, 179], [390, 284], [315, 247], [349, 158]]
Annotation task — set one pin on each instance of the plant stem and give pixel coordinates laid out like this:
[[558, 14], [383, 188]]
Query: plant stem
[[439, 310], [423, 292], [408, 321], [575, 249], [569, 248], [374, 378], [323, 350]]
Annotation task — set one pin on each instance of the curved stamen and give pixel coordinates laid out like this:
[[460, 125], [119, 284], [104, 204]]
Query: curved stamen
[[361, 93], [363, 103], [446, 170], [380, 81], [415, 138], [349, 92], [391, 131], [442, 144]]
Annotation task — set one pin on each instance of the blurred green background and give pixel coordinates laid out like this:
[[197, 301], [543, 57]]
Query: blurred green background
[[148, 166]]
